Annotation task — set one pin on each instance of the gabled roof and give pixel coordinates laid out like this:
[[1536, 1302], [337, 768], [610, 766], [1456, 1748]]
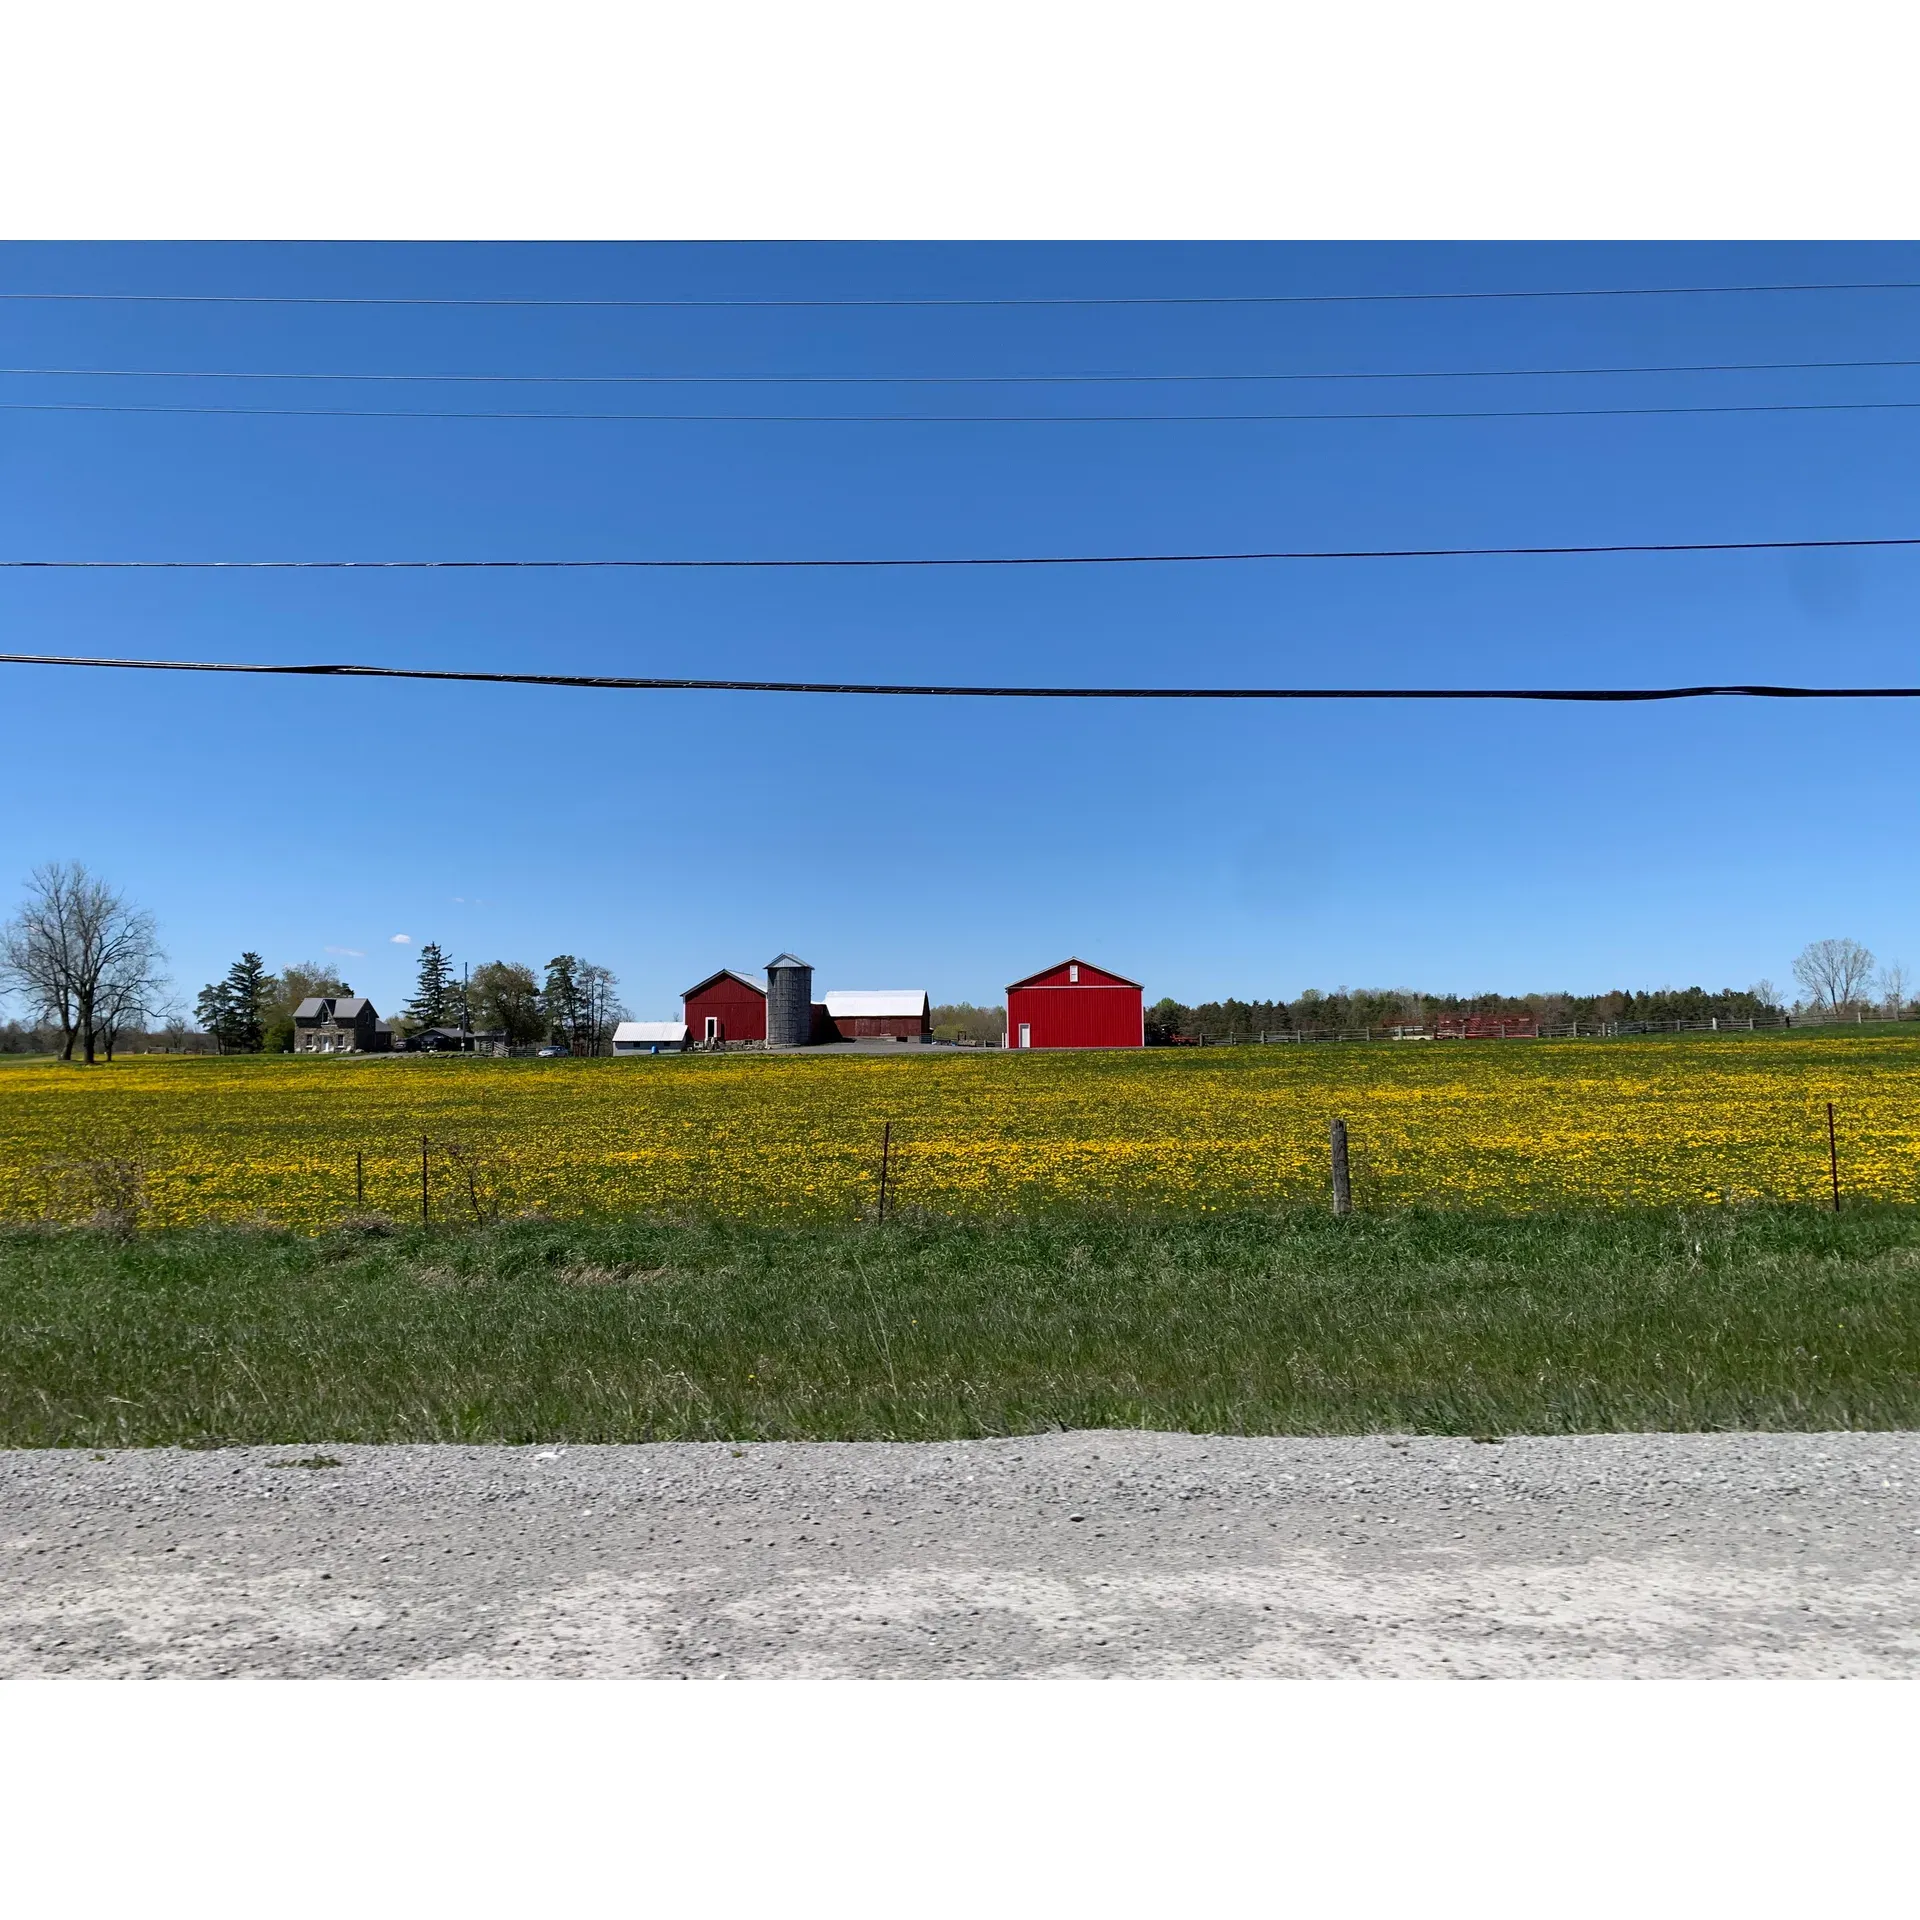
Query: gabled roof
[[876, 1003], [313, 1009], [782, 961], [725, 973], [348, 1007], [1106, 979]]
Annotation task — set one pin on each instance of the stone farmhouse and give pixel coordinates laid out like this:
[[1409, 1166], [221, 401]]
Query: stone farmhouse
[[348, 1024]]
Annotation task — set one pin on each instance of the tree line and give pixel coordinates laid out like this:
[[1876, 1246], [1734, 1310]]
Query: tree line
[[1836, 978], [574, 1005]]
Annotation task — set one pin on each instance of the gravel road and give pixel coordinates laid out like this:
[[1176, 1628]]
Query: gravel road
[[1081, 1554]]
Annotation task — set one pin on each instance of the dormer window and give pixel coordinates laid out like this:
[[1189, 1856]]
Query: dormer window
[[1073, 972]]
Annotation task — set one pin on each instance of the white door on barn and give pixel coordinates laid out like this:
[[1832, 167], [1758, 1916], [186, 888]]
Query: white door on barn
[[1026, 1034]]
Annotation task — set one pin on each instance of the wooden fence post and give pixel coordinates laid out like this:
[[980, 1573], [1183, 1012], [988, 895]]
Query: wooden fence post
[[1342, 1187]]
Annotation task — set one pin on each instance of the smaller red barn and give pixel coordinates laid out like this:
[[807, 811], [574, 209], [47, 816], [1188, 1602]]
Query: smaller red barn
[[725, 1006], [1075, 1004]]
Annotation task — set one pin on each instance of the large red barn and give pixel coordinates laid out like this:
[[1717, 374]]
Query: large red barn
[[726, 1006], [1075, 1005]]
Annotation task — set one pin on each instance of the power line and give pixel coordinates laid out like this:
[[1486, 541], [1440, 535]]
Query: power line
[[986, 560], [947, 379], [993, 300], [610, 683], [964, 419]]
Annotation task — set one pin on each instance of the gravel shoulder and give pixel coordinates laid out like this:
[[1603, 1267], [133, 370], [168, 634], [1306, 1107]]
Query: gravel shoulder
[[1096, 1554]]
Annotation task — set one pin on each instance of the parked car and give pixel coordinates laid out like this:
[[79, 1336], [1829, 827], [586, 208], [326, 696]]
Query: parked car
[[552, 1053]]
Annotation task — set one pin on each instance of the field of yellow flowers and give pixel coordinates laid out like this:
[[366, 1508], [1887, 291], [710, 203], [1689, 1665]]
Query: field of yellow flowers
[[1490, 1125]]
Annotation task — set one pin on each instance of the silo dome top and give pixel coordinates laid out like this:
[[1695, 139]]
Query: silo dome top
[[783, 961]]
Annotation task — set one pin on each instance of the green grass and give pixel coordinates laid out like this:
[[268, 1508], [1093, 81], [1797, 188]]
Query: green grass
[[1250, 1323]]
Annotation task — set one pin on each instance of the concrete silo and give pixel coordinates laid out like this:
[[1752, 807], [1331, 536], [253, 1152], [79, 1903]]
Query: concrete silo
[[789, 1002]]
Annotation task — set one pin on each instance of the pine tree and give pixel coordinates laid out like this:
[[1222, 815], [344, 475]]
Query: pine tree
[[434, 994], [234, 1009], [560, 1003]]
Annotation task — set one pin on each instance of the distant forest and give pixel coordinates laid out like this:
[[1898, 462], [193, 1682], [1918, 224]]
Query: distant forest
[[1317, 1012]]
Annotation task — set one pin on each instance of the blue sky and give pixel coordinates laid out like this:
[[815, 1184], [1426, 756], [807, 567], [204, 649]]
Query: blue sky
[[1204, 850]]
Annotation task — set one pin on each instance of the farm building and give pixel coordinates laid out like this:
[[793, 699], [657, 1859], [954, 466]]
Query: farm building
[[489, 1041], [1075, 1004], [879, 1014], [726, 1007], [650, 1036], [346, 1024]]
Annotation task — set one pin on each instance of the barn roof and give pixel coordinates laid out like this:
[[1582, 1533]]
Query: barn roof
[[725, 973], [1108, 977], [641, 1033], [877, 1003]]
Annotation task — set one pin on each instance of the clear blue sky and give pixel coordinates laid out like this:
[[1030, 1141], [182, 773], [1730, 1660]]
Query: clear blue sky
[[1206, 850]]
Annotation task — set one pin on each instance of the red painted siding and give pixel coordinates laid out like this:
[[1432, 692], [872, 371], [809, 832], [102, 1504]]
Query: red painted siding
[[883, 1026], [741, 1011], [1064, 976], [1100, 1009]]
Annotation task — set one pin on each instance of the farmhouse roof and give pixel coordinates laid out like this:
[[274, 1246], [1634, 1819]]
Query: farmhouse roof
[[876, 1003], [348, 1006], [313, 1008], [725, 973]]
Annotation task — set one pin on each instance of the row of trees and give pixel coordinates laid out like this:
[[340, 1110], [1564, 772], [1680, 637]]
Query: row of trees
[[576, 1005], [250, 1009], [1836, 977], [963, 1021]]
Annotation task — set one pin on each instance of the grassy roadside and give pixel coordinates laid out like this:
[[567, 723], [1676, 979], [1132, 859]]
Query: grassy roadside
[[1249, 1323]]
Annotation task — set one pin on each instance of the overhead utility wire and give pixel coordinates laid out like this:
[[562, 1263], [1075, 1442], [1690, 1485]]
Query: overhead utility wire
[[963, 419], [992, 300], [942, 379], [986, 560], [609, 683]]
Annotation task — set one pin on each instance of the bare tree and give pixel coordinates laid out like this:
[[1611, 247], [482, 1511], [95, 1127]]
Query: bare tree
[[1766, 993], [1895, 988], [1834, 973], [600, 1008], [81, 955]]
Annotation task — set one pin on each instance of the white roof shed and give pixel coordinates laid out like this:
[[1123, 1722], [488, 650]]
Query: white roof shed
[[886, 1003], [633, 1036]]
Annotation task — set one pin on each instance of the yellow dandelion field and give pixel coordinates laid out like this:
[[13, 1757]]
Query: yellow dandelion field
[[1508, 1125]]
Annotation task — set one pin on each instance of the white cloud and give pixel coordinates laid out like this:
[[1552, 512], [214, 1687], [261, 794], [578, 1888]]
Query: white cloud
[[401, 940], [349, 953]]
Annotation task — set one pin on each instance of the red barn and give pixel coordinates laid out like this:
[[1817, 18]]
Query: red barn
[[726, 1006], [1075, 1005]]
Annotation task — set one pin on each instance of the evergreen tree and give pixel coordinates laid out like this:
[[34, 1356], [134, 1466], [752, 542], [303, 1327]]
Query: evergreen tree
[[435, 994], [234, 1009], [560, 1003]]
